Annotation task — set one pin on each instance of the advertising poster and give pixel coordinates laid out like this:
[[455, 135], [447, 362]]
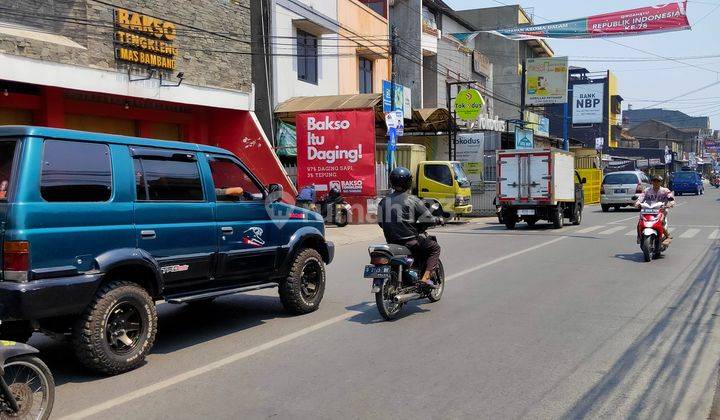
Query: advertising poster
[[546, 81], [588, 103], [470, 151], [387, 96], [337, 150], [644, 20]]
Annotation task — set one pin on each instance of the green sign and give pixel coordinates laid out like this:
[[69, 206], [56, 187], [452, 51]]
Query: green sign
[[468, 104]]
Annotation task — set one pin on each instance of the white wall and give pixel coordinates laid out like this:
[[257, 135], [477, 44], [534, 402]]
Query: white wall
[[286, 83]]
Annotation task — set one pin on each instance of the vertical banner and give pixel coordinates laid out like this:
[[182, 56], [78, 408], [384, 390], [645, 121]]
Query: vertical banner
[[588, 103], [546, 81], [337, 150], [470, 149]]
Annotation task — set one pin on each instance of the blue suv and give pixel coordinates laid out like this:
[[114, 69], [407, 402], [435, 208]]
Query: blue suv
[[686, 182], [96, 228]]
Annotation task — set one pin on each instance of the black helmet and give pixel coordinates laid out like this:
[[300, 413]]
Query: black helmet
[[657, 178], [400, 179]]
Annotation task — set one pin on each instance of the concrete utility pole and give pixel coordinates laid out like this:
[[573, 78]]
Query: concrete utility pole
[[392, 131]]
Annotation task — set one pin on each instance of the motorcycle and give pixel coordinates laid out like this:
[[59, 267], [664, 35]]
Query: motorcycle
[[27, 388], [333, 209], [651, 230], [715, 181], [395, 279]]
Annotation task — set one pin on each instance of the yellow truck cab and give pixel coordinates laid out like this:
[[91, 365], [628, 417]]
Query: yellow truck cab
[[445, 182]]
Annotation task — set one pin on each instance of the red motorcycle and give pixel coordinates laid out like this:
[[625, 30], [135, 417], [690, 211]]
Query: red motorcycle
[[651, 230]]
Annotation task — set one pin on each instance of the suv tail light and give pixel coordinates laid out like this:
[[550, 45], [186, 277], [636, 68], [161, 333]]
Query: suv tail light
[[639, 189], [16, 260]]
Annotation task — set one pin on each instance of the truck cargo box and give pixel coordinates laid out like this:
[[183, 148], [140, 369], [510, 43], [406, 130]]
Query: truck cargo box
[[535, 176]]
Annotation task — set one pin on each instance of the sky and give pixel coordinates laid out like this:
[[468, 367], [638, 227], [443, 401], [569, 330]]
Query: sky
[[641, 84]]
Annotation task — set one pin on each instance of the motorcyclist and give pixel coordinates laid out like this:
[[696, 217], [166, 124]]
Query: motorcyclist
[[659, 193], [398, 216]]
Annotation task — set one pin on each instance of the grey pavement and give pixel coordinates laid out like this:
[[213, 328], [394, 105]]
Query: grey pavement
[[534, 323]]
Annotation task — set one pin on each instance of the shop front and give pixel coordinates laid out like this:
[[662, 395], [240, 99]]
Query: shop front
[[140, 73]]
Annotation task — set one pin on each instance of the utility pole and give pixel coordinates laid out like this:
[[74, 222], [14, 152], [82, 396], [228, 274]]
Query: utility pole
[[392, 131]]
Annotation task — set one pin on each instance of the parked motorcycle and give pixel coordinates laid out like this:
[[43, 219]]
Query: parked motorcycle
[[651, 230], [396, 279], [27, 388]]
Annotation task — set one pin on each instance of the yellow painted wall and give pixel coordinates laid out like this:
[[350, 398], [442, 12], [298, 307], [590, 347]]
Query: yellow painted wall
[[361, 21]]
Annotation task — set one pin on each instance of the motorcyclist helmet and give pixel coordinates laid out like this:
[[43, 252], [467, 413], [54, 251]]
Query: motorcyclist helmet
[[657, 178], [400, 179]]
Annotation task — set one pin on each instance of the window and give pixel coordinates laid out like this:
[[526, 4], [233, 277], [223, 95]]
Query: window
[[75, 172], [7, 157], [167, 180], [439, 173], [366, 75], [620, 179], [307, 57], [228, 174]]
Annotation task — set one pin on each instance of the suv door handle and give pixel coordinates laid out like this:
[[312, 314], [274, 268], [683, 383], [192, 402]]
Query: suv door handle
[[227, 230], [148, 234]]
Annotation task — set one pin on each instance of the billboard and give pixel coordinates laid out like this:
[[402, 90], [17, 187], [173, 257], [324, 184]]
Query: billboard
[[337, 149], [470, 152], [588, 103], [546, 81], [643, 20]]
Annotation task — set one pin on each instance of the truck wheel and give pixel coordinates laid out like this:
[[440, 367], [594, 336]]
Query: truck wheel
[[117, 329], [605, 208], [557, 217], [577, 215], [303, 289]]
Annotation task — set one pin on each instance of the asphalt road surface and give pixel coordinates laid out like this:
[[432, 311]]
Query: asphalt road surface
[[534, 323]]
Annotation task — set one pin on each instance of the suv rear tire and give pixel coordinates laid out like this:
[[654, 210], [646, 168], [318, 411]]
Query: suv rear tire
[[303, 289], [117, 329]]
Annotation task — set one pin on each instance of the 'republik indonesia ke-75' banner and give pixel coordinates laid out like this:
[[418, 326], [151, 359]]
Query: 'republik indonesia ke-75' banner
[[643, 20], [337, 150]]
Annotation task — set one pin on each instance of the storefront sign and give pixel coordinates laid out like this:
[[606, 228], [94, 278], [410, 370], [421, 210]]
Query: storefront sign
[[524, 138], [407, 105], [546, 81], [539, 124], [620, 165], [487, 123], [481, 64], [470, 151], [337, 149], [468, 104], [588, 103], [145, 40], [599, 143]]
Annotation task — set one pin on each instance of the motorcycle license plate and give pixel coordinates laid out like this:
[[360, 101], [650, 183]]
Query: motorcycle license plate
[[377, 272], [526, 212], [620, 191]]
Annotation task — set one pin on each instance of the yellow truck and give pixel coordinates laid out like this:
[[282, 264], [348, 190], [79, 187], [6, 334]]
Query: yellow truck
[[445, 182]]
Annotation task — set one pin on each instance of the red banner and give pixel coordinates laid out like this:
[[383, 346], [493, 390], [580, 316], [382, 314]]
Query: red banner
[[337, 149], [670, 16]]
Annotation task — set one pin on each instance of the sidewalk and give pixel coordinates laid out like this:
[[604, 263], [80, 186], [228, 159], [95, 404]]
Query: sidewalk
[[369, 232]]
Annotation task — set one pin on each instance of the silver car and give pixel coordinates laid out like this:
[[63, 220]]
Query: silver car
[[618, 189]]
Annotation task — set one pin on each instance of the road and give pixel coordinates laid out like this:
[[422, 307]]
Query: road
[[535, 323]]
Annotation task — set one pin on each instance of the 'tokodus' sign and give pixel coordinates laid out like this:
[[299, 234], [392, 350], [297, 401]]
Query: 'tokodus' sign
[[337, 150], [588, 103]]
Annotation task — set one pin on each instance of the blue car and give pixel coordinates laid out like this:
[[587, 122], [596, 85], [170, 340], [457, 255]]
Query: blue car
[[686, 182], [96, 228]]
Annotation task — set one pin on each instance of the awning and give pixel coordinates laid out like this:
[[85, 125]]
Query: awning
[[287, 110]]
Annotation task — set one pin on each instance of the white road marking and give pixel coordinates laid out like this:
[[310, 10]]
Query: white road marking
[[141, 392], [623, 220], [590, 229], [715, 234], [690, 233], [632, 233], [612, 230]]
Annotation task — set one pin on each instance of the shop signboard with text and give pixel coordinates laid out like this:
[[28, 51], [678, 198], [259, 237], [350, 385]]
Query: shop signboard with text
[[337, 150], [470, 152], [546, 81], [588, 103]]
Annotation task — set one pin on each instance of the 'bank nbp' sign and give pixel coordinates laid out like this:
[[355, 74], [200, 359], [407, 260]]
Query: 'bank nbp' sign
[[144, 40]]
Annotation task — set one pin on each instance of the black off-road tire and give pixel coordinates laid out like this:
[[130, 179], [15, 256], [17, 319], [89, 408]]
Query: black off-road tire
[[291, 290], [89, 336], [576, 218]]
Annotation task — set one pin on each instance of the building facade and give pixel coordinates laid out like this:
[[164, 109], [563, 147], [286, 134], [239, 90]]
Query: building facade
[[139, 68]]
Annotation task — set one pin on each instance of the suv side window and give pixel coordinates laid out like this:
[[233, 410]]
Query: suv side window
[[228, 175], [167, 180], [439, 173], [74, 171]]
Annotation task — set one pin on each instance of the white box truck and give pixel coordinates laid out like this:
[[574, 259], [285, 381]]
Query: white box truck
[[538, 184]]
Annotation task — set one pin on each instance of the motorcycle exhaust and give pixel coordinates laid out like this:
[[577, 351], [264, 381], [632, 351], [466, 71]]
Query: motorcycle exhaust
[[407, 297]]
